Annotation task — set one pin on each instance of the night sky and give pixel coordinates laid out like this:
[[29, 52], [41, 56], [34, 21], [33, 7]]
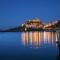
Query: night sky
[[15, 12]]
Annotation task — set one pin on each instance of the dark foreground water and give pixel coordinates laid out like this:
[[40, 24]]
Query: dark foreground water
[[29, 46]]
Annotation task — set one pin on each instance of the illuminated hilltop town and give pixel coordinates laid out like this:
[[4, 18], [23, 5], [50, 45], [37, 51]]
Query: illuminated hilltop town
[[36, 24]]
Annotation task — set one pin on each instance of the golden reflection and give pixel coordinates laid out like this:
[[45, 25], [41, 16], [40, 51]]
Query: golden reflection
[[26, 37], [52, 38], [37, 39], [48, 37], [30, 38], [45, 37], [23, 38], [57, 38]]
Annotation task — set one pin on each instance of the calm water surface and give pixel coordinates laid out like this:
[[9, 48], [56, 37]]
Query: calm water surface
[[29, 46]]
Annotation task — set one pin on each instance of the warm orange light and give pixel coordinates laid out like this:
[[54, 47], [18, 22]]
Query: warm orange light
[[34, 39]]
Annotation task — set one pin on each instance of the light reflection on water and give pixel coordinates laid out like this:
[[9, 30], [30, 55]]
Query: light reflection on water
[[29, 45], [37, 39]]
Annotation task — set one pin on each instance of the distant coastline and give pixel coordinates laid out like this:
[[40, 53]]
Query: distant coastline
[[15, 30]]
